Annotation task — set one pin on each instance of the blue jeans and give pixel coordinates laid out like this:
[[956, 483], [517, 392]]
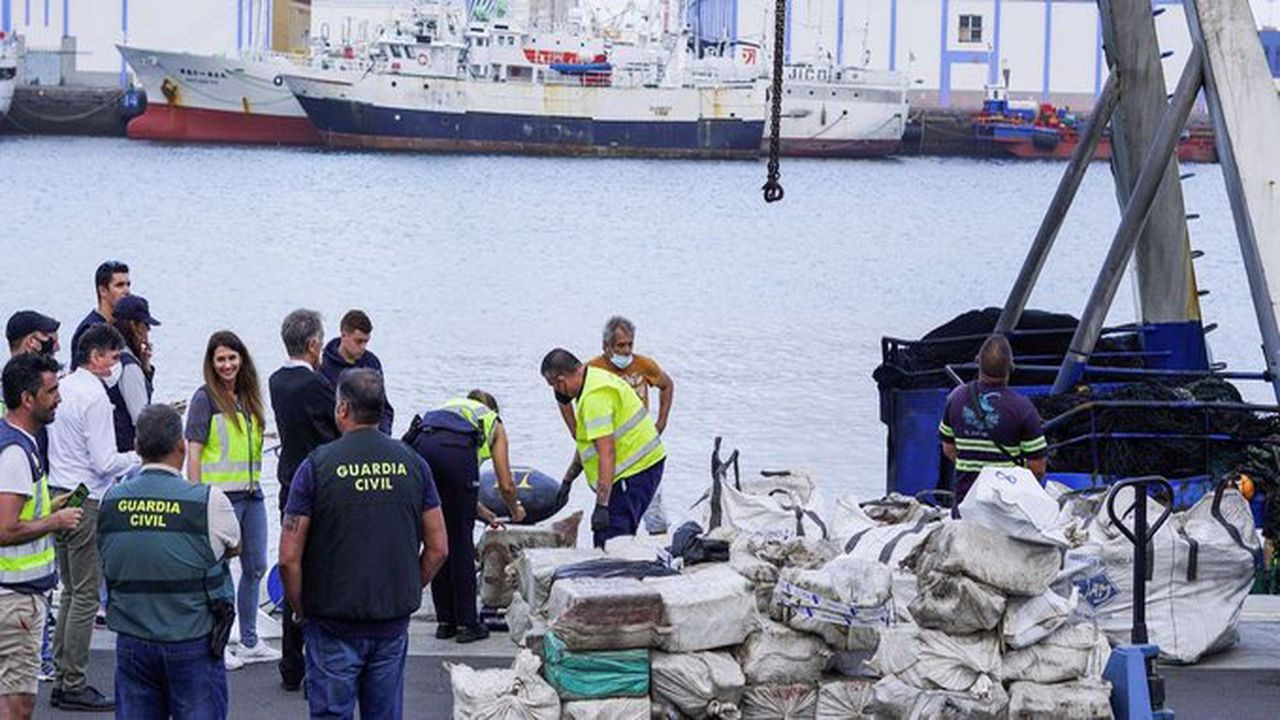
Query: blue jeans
[[627, 506], [251, 513], [344, 670], [159, 680]]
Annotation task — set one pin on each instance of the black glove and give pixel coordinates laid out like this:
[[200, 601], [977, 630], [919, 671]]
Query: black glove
[[600, 519], [562, 496]]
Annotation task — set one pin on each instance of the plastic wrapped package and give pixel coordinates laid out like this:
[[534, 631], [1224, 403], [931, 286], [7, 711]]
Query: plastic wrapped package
[[535, 570], [798, 701], [928, 659], [774, 653], [844, 699], [605, 614], [499, 694], [893, 699], [760, 558], [610, 709], [956, 604], [1013, 567], [699, 685], [595, 674], [845, 602], [710, 608], [1083, 700], [499, 548], [1028, 620]]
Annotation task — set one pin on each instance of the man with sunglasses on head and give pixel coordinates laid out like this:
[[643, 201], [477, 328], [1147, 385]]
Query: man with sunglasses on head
[[111, 282]]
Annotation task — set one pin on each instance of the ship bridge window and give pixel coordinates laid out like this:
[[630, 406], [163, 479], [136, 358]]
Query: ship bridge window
[[970, 28], [396, 51]]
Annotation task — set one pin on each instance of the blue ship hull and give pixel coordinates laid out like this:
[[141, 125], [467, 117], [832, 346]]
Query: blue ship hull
[[344, 123]]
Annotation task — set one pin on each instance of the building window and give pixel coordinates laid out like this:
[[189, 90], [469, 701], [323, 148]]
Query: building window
[[970, 28]]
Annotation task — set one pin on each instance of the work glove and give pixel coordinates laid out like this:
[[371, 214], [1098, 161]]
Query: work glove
[[600, 519], [562, 496]]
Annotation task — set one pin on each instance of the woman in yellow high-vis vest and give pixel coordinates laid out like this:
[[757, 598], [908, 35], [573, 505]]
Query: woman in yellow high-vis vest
[[224, 448]]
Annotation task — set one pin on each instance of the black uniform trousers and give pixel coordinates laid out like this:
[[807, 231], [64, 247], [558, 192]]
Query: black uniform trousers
[[456, 471], [292, 666]]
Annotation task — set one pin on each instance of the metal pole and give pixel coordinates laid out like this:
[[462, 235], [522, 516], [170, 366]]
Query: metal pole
[[1061, 203], [1139, 636], [1144, 192]]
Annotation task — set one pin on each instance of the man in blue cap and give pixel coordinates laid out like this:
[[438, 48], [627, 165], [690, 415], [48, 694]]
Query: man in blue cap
[[30, 331]]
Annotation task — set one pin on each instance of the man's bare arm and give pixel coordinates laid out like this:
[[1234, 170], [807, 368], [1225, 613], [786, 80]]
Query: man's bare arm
[[435, 545], [293, 540]]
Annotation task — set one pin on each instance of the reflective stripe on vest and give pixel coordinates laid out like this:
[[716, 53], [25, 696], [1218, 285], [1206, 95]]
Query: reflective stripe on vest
[[232, 459], [637, 444], [32, 564], [479, 416]]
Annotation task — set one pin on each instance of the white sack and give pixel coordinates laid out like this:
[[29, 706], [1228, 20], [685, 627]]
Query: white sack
[[783, 512], [516, 694], [928, 659], [699, 685], [1011, 566], [499, 548], [1012, 502], [890, 545], [774, 653], [796, 483], [706, 609], [1074, 652], [611, 709], [893, 699], [845, 601], [780, 702], [956, 604], [522, 622], [636, 547], [844, 700], [1084, 700], [759, 557], [536, 567], [1028, 620], [849, 519]]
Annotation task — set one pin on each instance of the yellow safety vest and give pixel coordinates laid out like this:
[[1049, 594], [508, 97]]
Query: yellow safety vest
[[480, 416], [232, 459], [637, 446], [31, 562]]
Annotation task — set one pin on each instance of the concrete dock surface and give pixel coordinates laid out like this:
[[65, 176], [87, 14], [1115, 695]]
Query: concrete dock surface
[[1242, 683]]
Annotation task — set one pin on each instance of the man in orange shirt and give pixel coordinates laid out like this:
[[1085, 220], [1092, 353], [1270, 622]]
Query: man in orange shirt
[[641, 373]]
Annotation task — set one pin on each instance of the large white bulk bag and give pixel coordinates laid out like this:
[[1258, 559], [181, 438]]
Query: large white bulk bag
[[699, 685], [497, 694], [1012, 502], [707, 607]]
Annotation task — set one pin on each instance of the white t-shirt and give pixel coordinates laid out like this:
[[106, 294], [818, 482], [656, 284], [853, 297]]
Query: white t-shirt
[[15, 475]]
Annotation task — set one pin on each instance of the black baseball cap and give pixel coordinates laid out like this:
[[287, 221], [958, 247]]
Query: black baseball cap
[[134, 307], [25, 322]]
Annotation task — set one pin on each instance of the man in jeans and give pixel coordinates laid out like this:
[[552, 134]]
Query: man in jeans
[[164, 543], [363, 527], [82, 449]]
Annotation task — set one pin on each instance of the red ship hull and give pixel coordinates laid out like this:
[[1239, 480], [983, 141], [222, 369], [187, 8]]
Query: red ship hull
[[183, 124]]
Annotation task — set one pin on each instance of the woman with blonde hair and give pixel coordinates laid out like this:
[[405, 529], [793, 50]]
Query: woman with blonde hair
[[224, 449]]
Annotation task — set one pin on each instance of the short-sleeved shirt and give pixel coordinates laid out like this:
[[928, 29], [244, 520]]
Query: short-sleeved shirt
[[200, 412], [15, 476], [642, 374], [997, 415]]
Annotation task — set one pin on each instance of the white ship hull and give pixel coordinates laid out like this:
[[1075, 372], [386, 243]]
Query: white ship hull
[[217, 98], [8, 76], [846, 113]]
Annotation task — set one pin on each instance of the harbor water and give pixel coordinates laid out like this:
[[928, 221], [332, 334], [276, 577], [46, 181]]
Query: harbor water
[[767, 317]]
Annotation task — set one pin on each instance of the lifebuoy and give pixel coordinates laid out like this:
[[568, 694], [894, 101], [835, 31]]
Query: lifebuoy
[[423, 59]]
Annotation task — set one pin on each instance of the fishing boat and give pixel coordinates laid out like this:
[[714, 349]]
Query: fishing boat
[[441, 84], [8, 71], [850, 112]]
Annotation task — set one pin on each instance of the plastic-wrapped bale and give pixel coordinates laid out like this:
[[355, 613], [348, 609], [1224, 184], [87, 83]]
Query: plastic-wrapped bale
[[498, 694], [893, 699], [1013, 567], [845, 602], [709, 608], [500, 548], [844, 700], [699, 685], [1071, 653], [1083, 700], [1200, 574], [774, 653], [595, 674], [797, 701], [605, 614], [956, 604], [929, 659], [760, 557], [1028, 620], [890, 545], [636, 547], [611, 709], [536, 568]]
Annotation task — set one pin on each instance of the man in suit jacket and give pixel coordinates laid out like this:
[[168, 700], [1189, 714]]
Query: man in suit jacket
[[302, 400]]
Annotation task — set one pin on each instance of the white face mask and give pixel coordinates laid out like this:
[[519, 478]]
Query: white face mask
[[113, 377], [622, 362]]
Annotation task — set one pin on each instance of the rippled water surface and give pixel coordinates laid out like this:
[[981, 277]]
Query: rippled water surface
[[768, 317]]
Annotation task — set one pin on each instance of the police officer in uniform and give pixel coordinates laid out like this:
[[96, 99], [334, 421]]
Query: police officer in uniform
[[362, 536], [455, 440], [618, 443], [170, 600]]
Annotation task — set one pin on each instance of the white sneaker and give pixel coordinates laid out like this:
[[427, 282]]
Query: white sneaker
[[231, 661], [261, 652]]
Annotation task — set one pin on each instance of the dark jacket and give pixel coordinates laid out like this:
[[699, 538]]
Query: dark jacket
[[302, 401], [332, 364], [93, 318]]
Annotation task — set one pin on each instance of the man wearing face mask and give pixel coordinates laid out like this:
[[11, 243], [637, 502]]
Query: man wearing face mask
[[82, 449], [30, 331], [642, 373]]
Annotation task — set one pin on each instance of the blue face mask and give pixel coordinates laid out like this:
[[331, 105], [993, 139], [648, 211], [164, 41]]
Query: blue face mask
[[622, 362]]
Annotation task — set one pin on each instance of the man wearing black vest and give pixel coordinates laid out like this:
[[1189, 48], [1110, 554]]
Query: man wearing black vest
[[362, 536], [302, 401], [164, 543]]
